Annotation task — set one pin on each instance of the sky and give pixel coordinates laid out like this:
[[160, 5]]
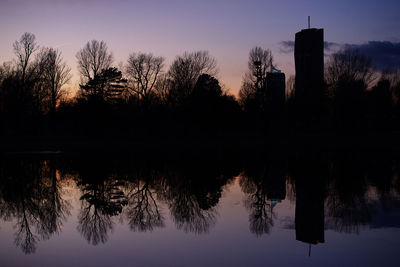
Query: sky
[[228, 29]]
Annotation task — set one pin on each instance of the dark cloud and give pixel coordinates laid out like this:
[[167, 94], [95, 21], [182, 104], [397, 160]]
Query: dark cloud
[[385, 55], [287, 47]]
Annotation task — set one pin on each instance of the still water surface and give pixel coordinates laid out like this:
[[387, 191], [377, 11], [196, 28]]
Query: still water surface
[[67, 212]]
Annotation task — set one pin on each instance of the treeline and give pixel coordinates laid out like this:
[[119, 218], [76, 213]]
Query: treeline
[[144, 98]]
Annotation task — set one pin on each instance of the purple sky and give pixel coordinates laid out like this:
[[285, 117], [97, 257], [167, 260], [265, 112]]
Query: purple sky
[[227, 29]]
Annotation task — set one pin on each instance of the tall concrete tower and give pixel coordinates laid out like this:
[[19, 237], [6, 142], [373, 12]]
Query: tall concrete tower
[[276, 99], [309, 82], [276, 89], [309, 61]]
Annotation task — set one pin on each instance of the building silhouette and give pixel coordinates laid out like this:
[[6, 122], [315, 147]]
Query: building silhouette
[[309, 81], [276, 99], [309, 63], [276, 182], [276, 89]]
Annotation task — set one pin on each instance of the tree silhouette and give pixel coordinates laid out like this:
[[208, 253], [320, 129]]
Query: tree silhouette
[[28, 79], [252, 94], [143, 71], [93, 58], [188, 100], [24, 49], [107, 86], [348, 75], [349, 65], [207, 87], [380, 105], [57, 74], [395, 85], [394, 79], [205, 99], [185, 71], [162, 88]]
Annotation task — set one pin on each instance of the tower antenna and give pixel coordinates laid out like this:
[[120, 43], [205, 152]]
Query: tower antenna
[[308, 22]]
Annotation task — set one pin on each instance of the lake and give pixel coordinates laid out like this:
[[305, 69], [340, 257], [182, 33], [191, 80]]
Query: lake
[[107, 211]]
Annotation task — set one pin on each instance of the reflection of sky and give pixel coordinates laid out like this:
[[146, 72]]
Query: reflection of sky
[[229, 243], [386, 217], [228, 29]]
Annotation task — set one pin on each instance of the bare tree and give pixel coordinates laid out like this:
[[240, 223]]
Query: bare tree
[[260, 60], [186, 69], [143, 71], [254, 82], [348, 76], [93, 58], [246, 93], [162, 88], [5, 70], [349, 65], [24, 49], [56, 75], [394, 79], [37, 83]]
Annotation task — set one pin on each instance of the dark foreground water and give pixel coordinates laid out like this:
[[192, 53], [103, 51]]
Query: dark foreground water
[[101, 212]]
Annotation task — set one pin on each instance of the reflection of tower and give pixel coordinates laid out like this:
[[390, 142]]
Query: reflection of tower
[[309, 63], [309, 213], [276, 189], [310, 196]]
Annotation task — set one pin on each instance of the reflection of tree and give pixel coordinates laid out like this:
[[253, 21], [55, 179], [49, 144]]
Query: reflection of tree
[[347, 205], [94, 224], [24, 238], [192, 211], [381, 175], [192, 193], [100, 201], [261, 213], [31, 194], [264, 184], [142, 210], [56, 208], [348, 215]]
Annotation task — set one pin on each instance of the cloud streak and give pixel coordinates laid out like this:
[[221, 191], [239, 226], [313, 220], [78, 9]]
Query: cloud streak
[[287, 47], [48, 48]]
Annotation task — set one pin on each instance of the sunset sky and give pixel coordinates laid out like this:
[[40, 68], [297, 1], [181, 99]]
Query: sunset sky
[[227, 29]]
